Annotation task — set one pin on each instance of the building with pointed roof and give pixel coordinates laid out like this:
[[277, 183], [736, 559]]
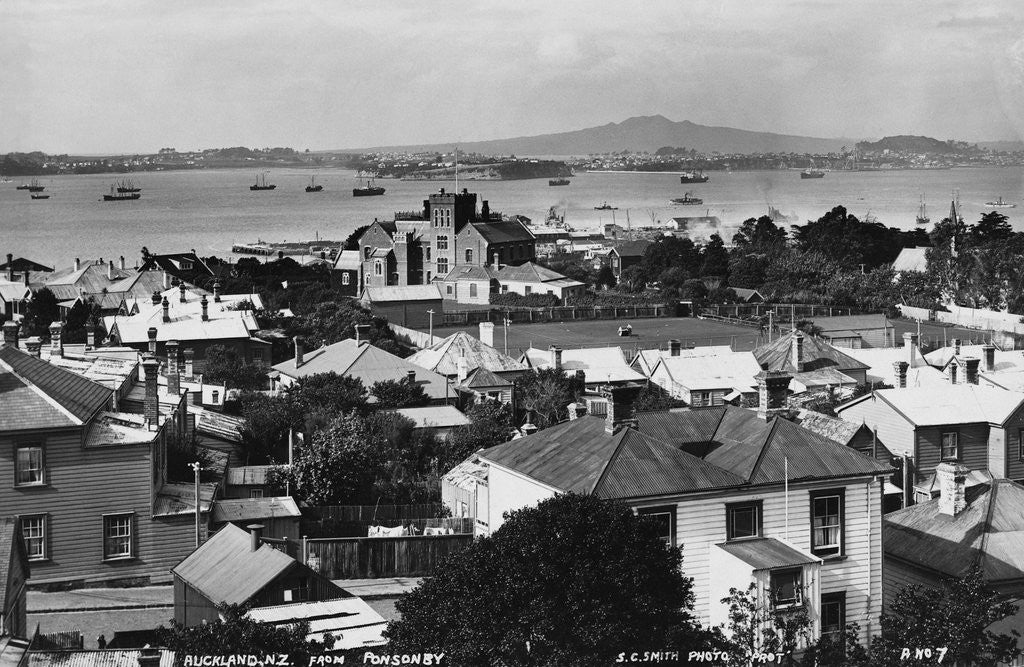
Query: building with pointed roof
[[624, 255], [812, 361], [444, 357], [764, 499], [704, 381], [598, 365]]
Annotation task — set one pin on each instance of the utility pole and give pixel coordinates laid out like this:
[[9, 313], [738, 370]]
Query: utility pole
[[431, 314], [506, 322], [196, 467]]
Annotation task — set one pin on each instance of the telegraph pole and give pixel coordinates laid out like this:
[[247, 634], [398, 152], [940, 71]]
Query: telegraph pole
[[196, 467], [431, 314]]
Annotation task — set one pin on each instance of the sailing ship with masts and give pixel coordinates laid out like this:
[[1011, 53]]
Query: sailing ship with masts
[[922, 213], [313, 187], [261, 183]]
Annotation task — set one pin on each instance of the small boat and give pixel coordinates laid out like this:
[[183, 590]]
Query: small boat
[[36, 195], [35, 187], [999, 203], [812, 173], [120, 196], [313, 187], [922, 213], [558, 181], [693, 177], [23, 186], [127, 185], [370, 190], [606, 207], [261, 183], [687, 200]]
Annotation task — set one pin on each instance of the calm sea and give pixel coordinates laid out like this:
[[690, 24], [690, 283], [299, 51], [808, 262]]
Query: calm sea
[[210, 210]]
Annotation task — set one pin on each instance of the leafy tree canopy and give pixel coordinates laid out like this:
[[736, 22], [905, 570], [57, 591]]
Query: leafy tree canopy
[[224, 364], [394, 394], [546, 393]]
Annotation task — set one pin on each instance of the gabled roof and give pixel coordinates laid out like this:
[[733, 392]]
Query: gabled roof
[[91, 276], [911, 259], [631, 248], [880, 362], [217, 424], [175, 262], [481, 378], [470, 272], [37, 395], [366, 362], [528, 273], [936, 405], [746, 293], [988, 533], [348, 260], [435, 416], [225, 569], [817, 354], [735, 370], [646, 360], [14, 292], [443, 357], [832, 428], [599, 364], [185, 319], [377, 294], [502, 232], [22, 264], [1005, 360], [252, 509]]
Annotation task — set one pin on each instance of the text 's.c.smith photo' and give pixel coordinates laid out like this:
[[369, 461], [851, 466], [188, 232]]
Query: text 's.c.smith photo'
[[511, 333]]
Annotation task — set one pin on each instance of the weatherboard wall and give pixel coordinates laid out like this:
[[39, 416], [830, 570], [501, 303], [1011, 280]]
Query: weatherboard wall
[[893, 428], [974, 446], [508, 491]]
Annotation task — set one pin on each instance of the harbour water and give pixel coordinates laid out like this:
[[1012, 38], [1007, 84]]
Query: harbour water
[[210, 210]]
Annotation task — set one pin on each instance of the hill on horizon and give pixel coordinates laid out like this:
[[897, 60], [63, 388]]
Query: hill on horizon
[[640, 133]]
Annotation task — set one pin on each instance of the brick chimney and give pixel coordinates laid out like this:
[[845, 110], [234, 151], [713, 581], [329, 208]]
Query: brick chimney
[[956, 346], [971, 369], [255, 536], [156, 297], [900, 370], [581, 377], [56, 344], [10, 267], [189, 354], [410, 376], [167, 309], [485, 211], [181, 290], [78, 264], [167, 281], [25, 277], [797, 351], [989, 353], [910, 343], [120, 263], [90, 333], [462, 369], [173, 378], [110, 270], [487, 333], [216, 292], [674, 347], [11, 333], [953, 372], [149, 656], [300, 352], [556, 357], [151, 404], [772, 393], [32, 345], [951, 478], [619, 408], [496, 260], [151, 333], [205, 304]]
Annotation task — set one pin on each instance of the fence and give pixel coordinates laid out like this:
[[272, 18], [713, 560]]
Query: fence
[[64, 640], [376, 557], [786, 311], [355, 520], [336, 528], [558, 314]]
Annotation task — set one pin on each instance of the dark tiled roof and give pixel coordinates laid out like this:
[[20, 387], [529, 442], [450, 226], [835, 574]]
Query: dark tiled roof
[[766, 553], [817, 354], [989, 533], [502, 232], [81, 397], [632, 248]]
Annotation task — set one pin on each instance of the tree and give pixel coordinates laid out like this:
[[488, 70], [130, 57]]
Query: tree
[[715, 258], [759, 235], [993, 226], [236, 633], [573, 581], [758, 625], [957, 615], [329, 393], [605, 277], [352, 241], [490, 424], [40, 311], [224, 364], [654, 398], [338, 464], [545, 394], [394, 394]]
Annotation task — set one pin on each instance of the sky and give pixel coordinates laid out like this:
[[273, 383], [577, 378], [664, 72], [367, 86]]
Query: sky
[[105, 77]]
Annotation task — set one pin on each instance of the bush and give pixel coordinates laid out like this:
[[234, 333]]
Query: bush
[[514, 300]]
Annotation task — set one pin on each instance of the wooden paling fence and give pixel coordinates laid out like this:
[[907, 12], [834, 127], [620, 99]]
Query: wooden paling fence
[[371, 513], [64, 640], [519, 315], [376, 557]]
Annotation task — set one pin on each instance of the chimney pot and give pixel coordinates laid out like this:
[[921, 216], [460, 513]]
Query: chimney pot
[[486, 333], [900, 367], [78, 264], [496, 261], [151, 405], [120, 264], [674, 347], [181, 289], [205, 304], [411, 376], [10, 267], [798, 351], [167, 280], [989, 352], [556, 357], [110, 270], [956, 346], [300, 352], [11, 333], [216, 292], [152, 340], [189, 355], [90, 332], [971, 369], [156, 297], [56, 344], [952, 480], [462, 368], [910, 342], [255, 535], [173, 377], [167, 309], [772, 393]]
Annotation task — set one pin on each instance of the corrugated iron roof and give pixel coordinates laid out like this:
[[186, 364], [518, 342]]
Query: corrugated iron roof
[[119, 428], [217, 424], [351, 621], [528, 272], [79, 396], [599, 364], [852, 323], [481, 378], [248, 475], [503, 232], [443, 357], [375, 294], [735, 370], [435, 416], [180, 498], [911, 259], [251, 509], [817, 354], [767, 553], [632, 248], [935, 405], [98, 658], [226, 570], [467, 474], [989, 533]]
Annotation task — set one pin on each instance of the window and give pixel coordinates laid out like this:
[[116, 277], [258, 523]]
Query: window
[[367, 279], [528, 290], [346, 278], [366, 252], [257, 356], [472, 289], [463, 509], [699, 399], [827, 522], [449, 289], [442, 265], [29, 464], [378, 268], [786, 587], [442, 242], [833, 615], [33, 529], [743, 520], [299, 592], [469, 255], [664, 518], [504, 289], [255, 493], [428, 253], [1020, 444], [117, 536], [950, 446], [215, 397]]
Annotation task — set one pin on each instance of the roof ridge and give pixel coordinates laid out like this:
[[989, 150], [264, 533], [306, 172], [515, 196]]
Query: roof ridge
[[986, 524], [611, 459], [764, 448]]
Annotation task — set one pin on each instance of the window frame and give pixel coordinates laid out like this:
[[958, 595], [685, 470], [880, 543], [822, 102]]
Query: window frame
[[131, 555], [469, 255], [346, 278], [442, 266], [757, 506], [839, 598], [255, 494], [42, 465], [472, 290], [825, 552], [955, 432], [798, 588], [441, 242], [44, 538], [655, 510]]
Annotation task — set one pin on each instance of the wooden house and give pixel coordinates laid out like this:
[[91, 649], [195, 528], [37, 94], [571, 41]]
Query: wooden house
[[812, 362], [715, 480], [279, 515], [626, 254], [236, 566], [460, 355], [14, 574], [704, 381], [250, 482]]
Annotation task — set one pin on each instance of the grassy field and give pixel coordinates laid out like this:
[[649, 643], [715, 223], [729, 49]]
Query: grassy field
[[647, 334]]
